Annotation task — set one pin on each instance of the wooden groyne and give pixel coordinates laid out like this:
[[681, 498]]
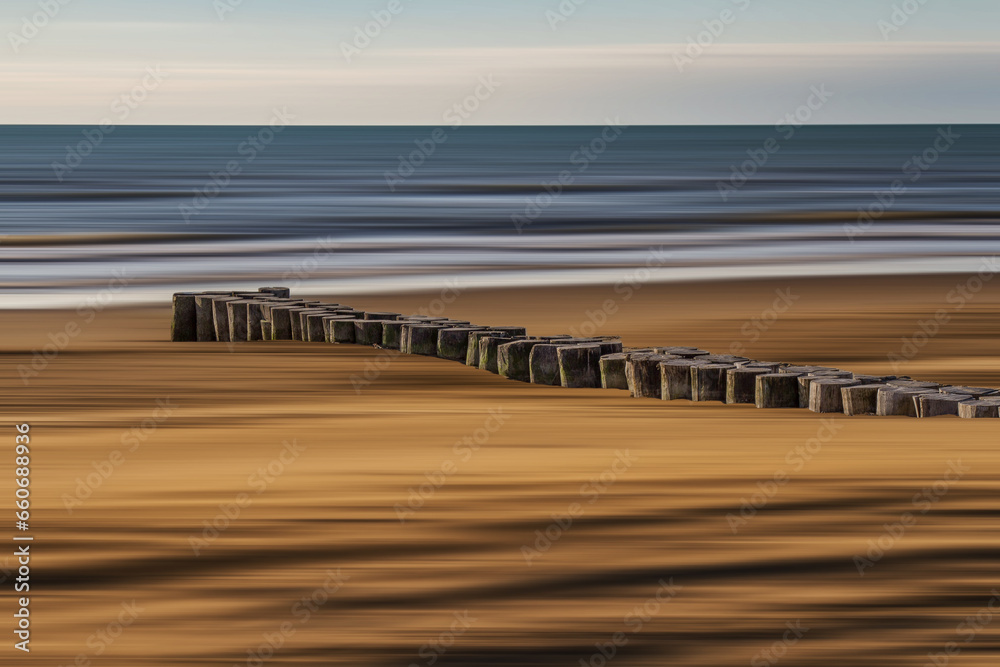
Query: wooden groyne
[[666, 373]]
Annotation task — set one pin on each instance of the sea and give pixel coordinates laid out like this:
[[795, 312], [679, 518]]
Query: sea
[[139, 212]]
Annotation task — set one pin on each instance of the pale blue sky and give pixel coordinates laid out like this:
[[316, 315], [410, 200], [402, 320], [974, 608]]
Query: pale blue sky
[[610, 58]]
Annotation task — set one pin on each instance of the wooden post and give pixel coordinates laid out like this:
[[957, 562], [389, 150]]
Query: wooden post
[[453, 343], [861, 399], [708, 382], [899, 401], [513, 359], [580, 366], [741, 384], [221, 307], [825, 394], [777, 390], [184, 325], [675, 378], [642, 371], [936, 405], [806, 380], [613, 371], [984, 408]]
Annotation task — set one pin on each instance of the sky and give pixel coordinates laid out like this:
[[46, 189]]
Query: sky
[[428, 62]]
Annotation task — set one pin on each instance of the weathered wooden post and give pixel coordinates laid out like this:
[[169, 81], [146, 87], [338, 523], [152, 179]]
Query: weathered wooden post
[[613, 371], [368, 332], [861, 399], [392, 334], [280, 292], [984, 408], [805, 381], [777, 390], [319, 311], [317, 325], [675, 378], [472, 355], [281, 321], [642, 372], [295, 322], [899, 401], [936, 405], [741, 384], [255, 315], [422, 339], [239, 315], [453, 343], [513, 359], [489, 350], [184, 325], [579, 366], [204, 305], [221, 307], [330, 329], [544, 365], [825, 394], [708, 381]]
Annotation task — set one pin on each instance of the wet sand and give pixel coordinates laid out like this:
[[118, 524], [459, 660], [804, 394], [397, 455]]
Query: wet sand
[[539, 522]]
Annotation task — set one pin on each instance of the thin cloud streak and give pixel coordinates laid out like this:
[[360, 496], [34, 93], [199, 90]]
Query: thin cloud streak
[[540, 85]]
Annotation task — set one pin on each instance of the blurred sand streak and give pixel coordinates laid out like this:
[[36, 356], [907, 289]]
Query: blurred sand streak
[[663, 516]]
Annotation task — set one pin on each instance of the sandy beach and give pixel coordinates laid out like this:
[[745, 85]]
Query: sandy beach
[[301, 504]]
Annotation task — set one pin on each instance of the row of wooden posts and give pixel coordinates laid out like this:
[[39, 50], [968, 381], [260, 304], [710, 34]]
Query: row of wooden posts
[[667, 373]]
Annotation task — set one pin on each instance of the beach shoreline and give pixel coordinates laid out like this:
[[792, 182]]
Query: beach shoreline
[[241, 480]]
